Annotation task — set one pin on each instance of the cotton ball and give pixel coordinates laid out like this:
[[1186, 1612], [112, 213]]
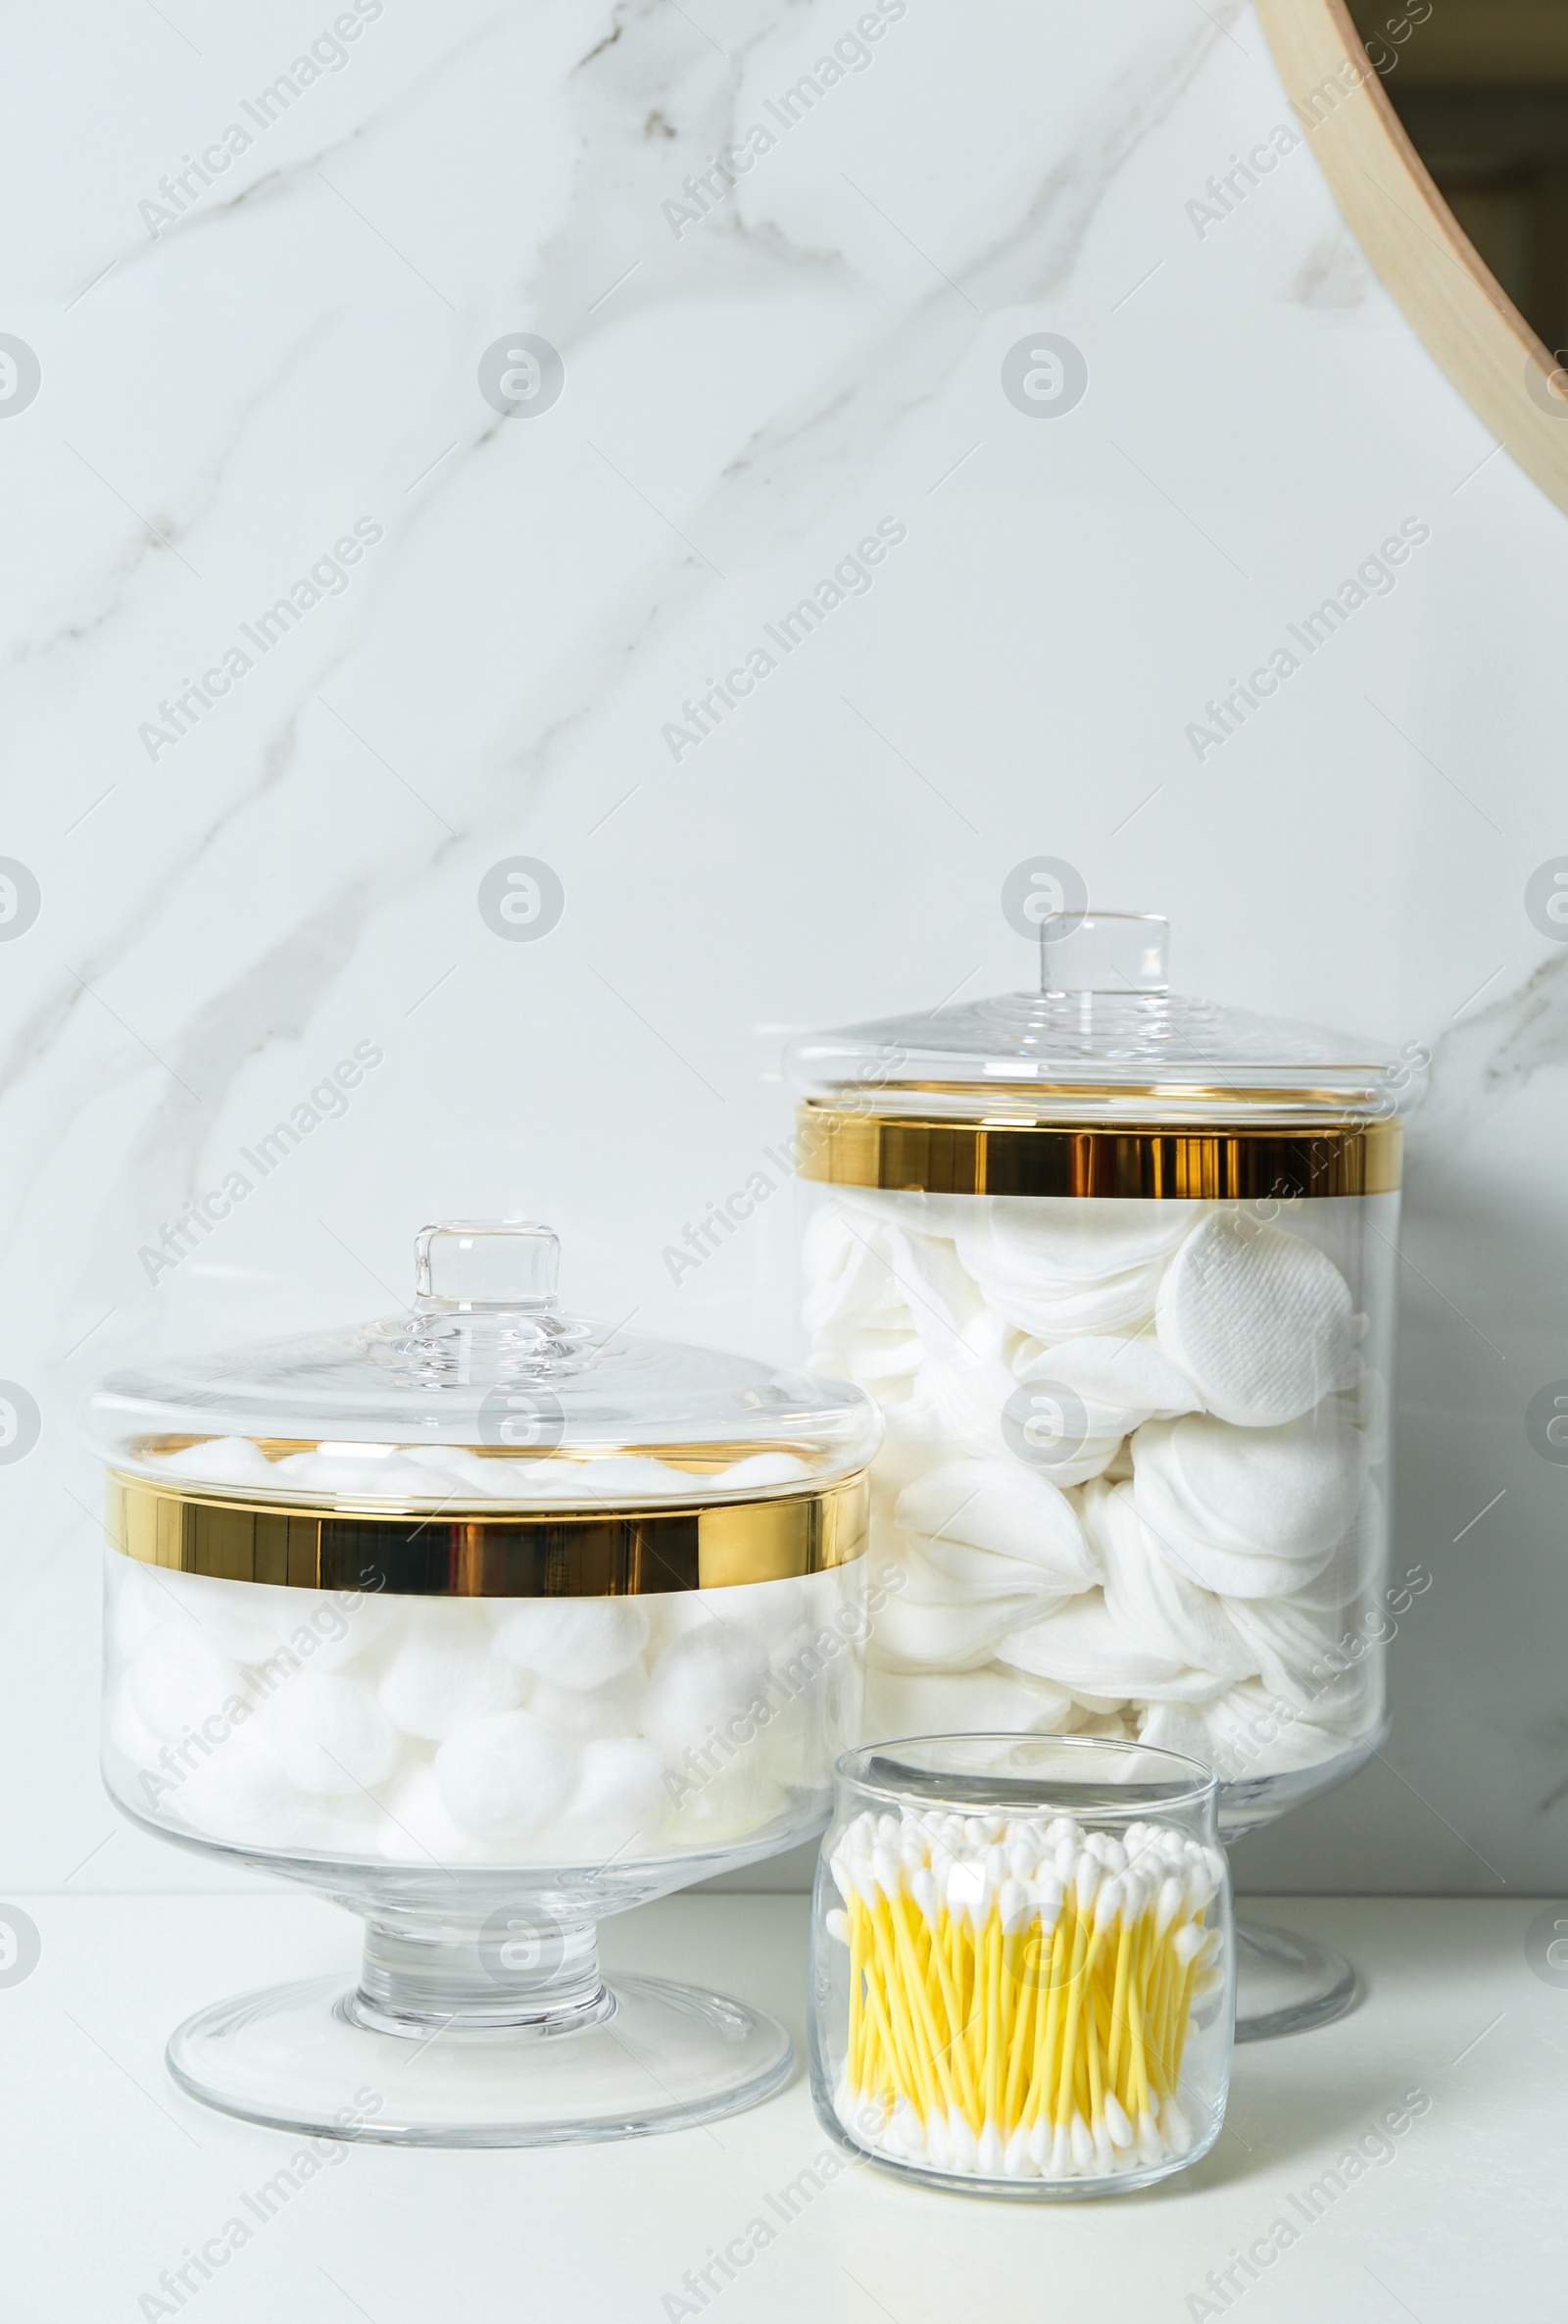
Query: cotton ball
[[344, 1624], [701, 1680], [767, 1611], [505, 1774], [675, 1613], [347, 1829], [241, 1793], [330, 1735], [806, 1705], [369, 1473], [128, 1734], [762, 1469], [220, 1460], [619, 1807], [239, 1619], [577, 1642], [457, 1470], [740, 1803], [608, 1710], [444, 1673], [136, 1607], [177, 1681], [416, 1826]]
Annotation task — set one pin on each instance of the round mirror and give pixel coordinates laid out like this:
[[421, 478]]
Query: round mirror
[[1443, 128]]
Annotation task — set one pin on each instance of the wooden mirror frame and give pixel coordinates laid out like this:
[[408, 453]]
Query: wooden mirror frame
[[1463, 318]]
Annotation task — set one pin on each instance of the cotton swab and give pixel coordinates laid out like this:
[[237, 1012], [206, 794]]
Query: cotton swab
[[1019, 1995]]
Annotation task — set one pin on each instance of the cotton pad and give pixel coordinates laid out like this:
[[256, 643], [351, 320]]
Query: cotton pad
[[1320, 1664], [865, 1270], [1245, 1733], [505, 1774], [879, 1361], [919, 1212], [703, 1678], [963, 1702], [1119, 1383], [965, 1380], [953, 1569], [444, 1673], [1247, 1512], [913, 1445], [958, 1634], [1116, 1303], [1354, 1562], [1004, 1506], [1075, 1242], [577, 1642], [846, 1276], [1058, 1270], [1150, 1601], [851, 1277], [1082, 1646], [1259, 1319], [329, 1733]]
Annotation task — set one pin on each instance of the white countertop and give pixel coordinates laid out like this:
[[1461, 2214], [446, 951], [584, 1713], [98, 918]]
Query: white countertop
[[110, 2174]]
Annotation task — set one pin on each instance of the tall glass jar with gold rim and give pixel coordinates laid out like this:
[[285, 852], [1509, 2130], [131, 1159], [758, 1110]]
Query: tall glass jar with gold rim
[[1118, 1266], [487, 1623]]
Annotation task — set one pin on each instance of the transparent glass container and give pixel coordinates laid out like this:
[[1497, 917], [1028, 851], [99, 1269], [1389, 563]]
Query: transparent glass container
[[1120, 1268], [487, 1624], [1022, 1968]]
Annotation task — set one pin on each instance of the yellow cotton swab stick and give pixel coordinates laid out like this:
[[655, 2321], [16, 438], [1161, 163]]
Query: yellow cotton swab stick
[[943, 2002], [934, 2057], [1038, 2111]]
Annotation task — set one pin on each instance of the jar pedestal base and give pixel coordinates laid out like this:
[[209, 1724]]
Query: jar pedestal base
[[1287, 1984], [641, 2055]]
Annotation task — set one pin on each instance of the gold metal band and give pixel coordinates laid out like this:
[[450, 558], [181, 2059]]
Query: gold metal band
[[998, 1155], [576, 1553]]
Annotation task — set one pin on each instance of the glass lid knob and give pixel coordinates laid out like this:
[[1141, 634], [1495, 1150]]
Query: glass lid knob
[[1103, 952], [488, 1263]]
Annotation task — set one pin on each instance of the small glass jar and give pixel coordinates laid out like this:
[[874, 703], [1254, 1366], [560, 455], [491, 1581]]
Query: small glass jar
[[488, 1624], [1120, 1268], [1022, 1965]]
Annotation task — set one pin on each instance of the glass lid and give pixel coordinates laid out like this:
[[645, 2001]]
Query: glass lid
[[484, 1394], [1104, 1038]]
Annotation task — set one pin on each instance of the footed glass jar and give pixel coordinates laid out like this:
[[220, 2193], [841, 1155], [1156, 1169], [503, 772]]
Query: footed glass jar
[[1119, 1268], [1022, 1975], [487, 1624]]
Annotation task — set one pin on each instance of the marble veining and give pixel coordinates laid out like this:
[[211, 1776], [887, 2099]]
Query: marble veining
[[747, 394]]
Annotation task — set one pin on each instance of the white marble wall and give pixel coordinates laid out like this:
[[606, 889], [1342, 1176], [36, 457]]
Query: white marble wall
[[226, 392]]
